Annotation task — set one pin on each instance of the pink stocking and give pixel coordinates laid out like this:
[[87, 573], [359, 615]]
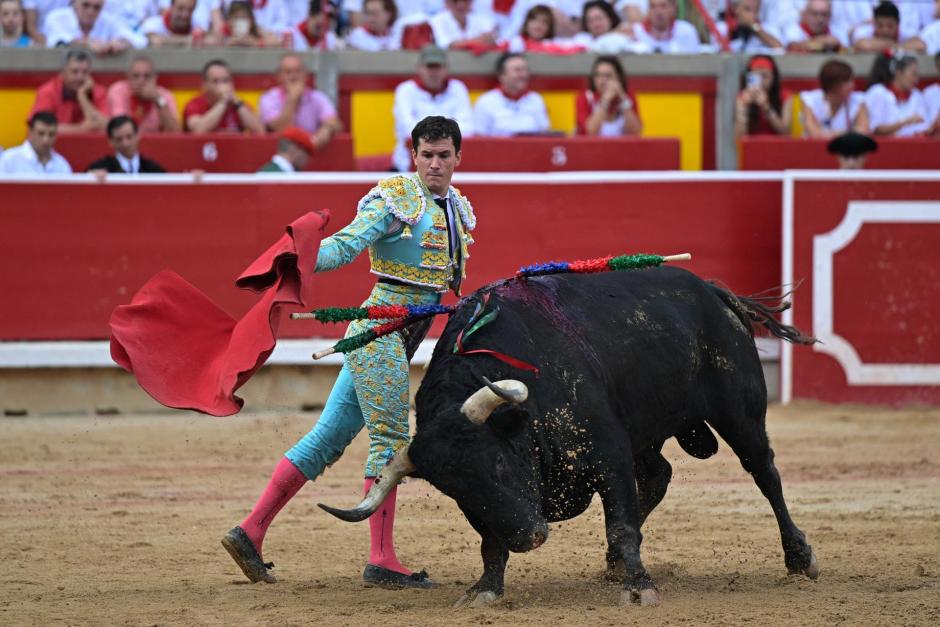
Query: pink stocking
[[284, 484], [381, 525]]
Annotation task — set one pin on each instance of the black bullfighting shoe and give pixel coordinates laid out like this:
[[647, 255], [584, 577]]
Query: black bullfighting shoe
[[385, 578], [243, 551]]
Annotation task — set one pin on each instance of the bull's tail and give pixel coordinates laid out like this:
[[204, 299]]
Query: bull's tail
[[760, 310]]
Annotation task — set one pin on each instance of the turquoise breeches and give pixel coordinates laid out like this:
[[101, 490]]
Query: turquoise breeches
[[371, 391]]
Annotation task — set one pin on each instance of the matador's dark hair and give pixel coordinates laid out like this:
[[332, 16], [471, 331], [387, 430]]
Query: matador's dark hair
[[434, 128]]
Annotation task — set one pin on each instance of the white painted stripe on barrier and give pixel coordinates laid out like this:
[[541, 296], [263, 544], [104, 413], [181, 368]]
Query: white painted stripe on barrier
[[786, 356], [97, 354]]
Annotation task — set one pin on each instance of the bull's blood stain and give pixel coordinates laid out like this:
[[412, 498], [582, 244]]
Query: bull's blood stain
[[542, 295]]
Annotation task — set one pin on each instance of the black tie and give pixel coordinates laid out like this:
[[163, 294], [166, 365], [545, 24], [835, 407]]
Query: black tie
[[451, 243]]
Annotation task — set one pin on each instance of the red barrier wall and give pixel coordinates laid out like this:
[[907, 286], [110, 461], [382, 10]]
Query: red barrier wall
[[74, 251], [786, 153], [867, 250], [216, 152]]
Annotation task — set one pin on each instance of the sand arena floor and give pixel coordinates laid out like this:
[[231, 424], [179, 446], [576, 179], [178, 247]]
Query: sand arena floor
[[117, 521]]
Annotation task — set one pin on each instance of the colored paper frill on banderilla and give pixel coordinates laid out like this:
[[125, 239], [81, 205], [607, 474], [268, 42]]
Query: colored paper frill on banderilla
[[187, 353]]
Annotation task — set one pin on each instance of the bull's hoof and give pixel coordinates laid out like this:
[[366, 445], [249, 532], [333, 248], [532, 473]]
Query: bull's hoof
[[811, 570], [646, 597], [477, 599]]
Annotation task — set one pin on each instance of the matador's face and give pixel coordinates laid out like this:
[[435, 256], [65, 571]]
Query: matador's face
[[435, 162]]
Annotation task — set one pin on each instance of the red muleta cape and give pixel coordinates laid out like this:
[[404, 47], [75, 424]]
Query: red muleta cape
[[188, 353]]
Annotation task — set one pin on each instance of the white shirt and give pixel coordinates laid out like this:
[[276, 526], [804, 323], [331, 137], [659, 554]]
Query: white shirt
[[61, 26], [23, 160], [447, 30], [884, 108], [753, 45], [413, 104], [361, 39], [683, 39], [793, 33], [201, 19], [131, 13], [842, 120], [932, 99], [272, 17], [130, 166], [931, 36], [613, 42], [43, 8], [497, 115], [298, 42]]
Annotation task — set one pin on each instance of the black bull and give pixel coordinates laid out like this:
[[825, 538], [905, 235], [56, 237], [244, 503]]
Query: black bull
[[627, 360]]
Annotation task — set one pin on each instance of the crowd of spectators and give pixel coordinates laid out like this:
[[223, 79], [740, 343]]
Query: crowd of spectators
[[891, 105], [538, 26]]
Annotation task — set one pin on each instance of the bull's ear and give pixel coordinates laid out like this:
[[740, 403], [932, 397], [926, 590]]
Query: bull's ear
[[508, 421]]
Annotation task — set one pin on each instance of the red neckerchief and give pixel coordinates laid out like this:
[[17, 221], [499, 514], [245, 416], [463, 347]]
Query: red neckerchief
[[433, 92], [902, 96], [313, 42], [259, 4], [810, 33], [503, 7], [515, 98], [166, 22], [647, 26]]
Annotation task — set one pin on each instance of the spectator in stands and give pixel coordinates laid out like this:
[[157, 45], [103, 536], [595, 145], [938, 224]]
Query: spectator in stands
[[35, 12], [241, 29], [814, 32], [895, 105], [745, 32], [566, 14], [271, 16], [606, 109], [538, 34], [83, 24], [176, 28], [294, 103], [152, 107], [11, 25], [512, 108], [36, 155], [124, 137], [835, 107], [218, 109], [600, 22], [375, 32], [79, 104], [662, 32], [432, 92], [851, 149], [458, 27], [762, 107], [883, 33], [316, 32], [928, 40], [932, 96], [294, 149]]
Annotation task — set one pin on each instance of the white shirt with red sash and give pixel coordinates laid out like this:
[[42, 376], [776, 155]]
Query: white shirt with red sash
[[681, 38], [887, 106], [797, 33], [414, 102], [499, 114]]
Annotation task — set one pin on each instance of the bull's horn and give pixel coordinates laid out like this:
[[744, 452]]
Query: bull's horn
[[481, 404], [388, 478]]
